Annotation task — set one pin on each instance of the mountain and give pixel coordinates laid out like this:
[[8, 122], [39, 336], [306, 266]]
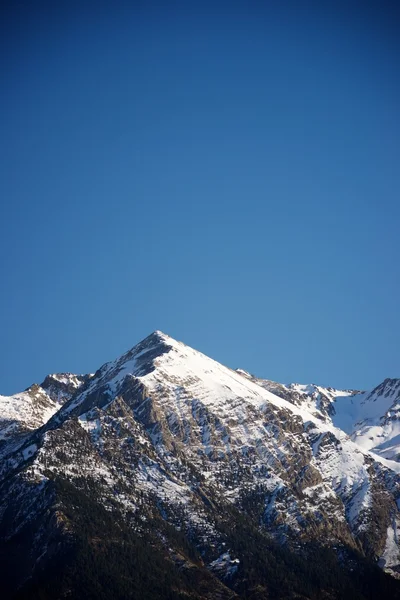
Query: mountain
[[24, 412], [378, 424], [322, 402], [167, 475], [371, 419]]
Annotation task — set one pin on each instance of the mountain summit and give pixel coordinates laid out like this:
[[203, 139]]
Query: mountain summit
[[226, 485]]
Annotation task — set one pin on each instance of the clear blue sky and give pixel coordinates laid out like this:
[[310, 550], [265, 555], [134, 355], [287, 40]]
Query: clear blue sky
[[227, 173]]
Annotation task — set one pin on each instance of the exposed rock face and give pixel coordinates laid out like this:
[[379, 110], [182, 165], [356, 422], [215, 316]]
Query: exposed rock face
[[166, 435], [372, 419], [60, 387]]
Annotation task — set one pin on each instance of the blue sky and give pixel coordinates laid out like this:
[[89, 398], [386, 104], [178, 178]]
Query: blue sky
[[228, 174]]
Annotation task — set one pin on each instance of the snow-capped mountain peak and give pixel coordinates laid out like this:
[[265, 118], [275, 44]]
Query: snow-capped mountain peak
[[166, 427]]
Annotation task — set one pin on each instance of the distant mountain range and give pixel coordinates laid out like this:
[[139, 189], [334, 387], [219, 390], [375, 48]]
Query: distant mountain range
[[167, 475]]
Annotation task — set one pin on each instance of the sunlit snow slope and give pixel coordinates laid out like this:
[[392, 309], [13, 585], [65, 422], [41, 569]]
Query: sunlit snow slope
[[167, 425], [371, 419]]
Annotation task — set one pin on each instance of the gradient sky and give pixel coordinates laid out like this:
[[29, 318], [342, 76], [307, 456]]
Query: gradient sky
[[227, 173]]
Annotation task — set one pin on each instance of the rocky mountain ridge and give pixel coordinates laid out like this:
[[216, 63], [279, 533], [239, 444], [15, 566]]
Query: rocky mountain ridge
[[25, 412], [371, 419], [198, 457]]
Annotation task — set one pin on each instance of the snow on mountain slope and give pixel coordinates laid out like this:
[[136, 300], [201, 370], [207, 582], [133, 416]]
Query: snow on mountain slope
[[216, 412], [325, 403], [378, 421], [180, 375], [24, 412], [166, 425], [161, 361], [371, 419]]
